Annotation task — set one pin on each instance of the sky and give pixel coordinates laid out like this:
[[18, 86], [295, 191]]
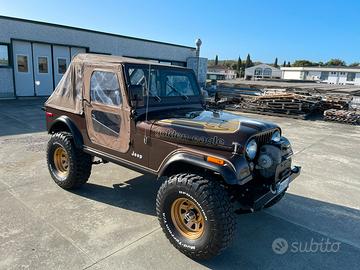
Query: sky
[[286, 29]]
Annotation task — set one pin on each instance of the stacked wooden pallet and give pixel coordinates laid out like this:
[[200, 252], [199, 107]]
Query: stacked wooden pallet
[[343, 116], [334, 102], [282, 103]]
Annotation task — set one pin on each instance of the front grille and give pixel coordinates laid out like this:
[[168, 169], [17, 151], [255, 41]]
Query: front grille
[[264, 137]]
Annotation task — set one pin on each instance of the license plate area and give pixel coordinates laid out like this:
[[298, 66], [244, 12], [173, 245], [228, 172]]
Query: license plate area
[[283, 170], [281, 186]]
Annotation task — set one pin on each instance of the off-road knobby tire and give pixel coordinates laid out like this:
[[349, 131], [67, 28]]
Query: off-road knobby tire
[[215, 203], [275, 200], [79, 162]]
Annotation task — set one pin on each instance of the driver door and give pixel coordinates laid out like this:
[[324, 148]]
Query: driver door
[[106, 111]]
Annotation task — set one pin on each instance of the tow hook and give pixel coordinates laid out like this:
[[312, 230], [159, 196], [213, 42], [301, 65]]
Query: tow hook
[[100, 161], [273, 188]]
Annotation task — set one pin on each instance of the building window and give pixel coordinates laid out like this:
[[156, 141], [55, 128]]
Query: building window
[[43, 64], [62, 66], [258, 72], [342, 73], [22, 63], [267, 72], [324, 75], [4, 55], [333, 72], [104, 88], [350, 76]]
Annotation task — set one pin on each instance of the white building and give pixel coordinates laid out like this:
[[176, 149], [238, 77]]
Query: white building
[[262, 71], [33, 52], [330, 75], [220, 73]]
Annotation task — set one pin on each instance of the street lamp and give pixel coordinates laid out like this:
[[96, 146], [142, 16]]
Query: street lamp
[[198, 43]]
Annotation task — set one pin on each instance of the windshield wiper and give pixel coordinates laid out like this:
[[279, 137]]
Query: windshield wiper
[[177, 91]]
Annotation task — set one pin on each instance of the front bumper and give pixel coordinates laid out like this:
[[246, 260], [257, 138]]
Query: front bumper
[[280, 186]]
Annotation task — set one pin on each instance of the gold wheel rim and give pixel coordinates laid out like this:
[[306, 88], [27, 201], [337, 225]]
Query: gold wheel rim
[[61, 161], [187, 218]]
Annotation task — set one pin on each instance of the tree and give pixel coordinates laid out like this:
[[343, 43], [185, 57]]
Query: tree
[[336, 62], [355, 64], [238, 67], [303, 63], [216, 60], [284, 64], [288, 64], [248, 62], [276, 62]]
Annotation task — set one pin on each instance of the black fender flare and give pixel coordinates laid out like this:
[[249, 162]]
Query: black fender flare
[[76, 134], [225, 171]]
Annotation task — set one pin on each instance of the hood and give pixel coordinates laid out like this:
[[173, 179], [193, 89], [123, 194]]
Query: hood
[[209, 128]]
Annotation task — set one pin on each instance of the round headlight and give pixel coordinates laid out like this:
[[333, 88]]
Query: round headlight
[[251, 149], [276, 136]]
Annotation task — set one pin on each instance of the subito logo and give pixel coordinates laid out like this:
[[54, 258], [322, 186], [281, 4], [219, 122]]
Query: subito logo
[[280, 246]]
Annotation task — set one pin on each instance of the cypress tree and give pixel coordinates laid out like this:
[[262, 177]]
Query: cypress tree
[[248, 62], [276, 62], [216, 60], [238, 66], [284, 65]]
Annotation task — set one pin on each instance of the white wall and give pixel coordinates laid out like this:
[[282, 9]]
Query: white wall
[[333, 78], [6, 82], [291, 75], [275, 72], [342, 77], [96, 42], [202, 71], [357, 79]]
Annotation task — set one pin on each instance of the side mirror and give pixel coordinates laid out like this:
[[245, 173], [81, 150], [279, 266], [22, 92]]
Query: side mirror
[[136, 93]]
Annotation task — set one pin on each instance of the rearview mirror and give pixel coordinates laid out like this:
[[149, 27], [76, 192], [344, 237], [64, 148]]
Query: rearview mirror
[[136, 92]]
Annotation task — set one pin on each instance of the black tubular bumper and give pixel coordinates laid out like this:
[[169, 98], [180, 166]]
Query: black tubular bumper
[[281, 186]]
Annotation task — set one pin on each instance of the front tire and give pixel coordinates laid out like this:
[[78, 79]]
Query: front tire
[[69, 166], [196, 215]]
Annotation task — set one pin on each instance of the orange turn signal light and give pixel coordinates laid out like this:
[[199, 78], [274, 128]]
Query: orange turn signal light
[[215, 160]]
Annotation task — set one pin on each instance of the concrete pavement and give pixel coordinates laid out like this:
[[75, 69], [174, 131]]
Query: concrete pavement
[[110, 223]]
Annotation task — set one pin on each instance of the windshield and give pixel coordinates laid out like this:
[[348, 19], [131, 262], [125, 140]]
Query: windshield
[[162, 82]]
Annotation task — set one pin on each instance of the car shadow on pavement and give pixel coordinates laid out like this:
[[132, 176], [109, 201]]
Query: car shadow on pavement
[[297, 233], [137, 194]]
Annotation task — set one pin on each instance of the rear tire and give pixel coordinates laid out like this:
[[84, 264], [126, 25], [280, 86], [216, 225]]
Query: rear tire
[[69, 166], [196, 215]]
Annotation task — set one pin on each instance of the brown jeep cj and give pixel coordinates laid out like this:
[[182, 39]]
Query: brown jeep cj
[[151, 118]]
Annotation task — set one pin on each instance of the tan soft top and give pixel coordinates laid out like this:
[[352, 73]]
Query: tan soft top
[[90, 58], [68, 94]]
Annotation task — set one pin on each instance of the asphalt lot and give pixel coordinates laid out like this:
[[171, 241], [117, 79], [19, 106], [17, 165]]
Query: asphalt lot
[[111, 224]]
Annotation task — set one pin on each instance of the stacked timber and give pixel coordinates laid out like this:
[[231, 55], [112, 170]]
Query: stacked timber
[[334, 102], [343, 116], [282, 103]]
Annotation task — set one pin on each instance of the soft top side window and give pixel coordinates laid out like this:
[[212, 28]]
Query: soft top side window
[[104, 88]]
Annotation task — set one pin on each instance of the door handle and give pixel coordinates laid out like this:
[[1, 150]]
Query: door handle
[[87, 102]]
